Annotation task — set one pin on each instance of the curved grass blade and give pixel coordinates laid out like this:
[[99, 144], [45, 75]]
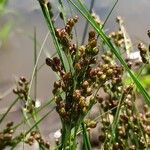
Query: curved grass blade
[[110, 13], [4, 115]]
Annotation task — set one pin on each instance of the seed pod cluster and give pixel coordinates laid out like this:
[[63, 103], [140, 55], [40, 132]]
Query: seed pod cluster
[[6, 136], [75, 92], [79, 87], [143, 52], [64, 35], [129, 125], [89, 77], [96, 18], [90, 123], [36, 136], [21, 91], [117, 38], [54, 64], [92, 48]]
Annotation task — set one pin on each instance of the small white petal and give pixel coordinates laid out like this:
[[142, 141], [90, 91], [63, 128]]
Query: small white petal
[[135, 55], [57, 134], [37, 103]]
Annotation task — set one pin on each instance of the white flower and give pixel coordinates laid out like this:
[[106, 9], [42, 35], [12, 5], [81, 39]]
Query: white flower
[[57, 134], [135, 55], [37, 103]]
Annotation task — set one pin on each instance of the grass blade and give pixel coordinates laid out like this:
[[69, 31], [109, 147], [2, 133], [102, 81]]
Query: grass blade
[[4, 115], [35, 60]]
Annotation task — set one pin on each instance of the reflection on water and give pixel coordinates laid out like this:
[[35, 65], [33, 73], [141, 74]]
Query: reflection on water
[[16, 55]]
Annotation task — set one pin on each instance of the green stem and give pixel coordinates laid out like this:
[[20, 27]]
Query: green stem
[[35, 60], [46, 104], [74, 147], [26, 133], [14, 102], [66, 135], [86, 137], [110, 13]]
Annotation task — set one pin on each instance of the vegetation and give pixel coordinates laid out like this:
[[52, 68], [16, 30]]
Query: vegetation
[[100, 73]]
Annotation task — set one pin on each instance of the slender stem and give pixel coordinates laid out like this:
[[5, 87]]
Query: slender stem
[[26, 133], [39, 121], [63, 11], [75, 137], [49, 102], [35, 76], [4, 115], [35, 67], [86, 137], [66, 134], [87, 22], [35, 60], [110, 13]]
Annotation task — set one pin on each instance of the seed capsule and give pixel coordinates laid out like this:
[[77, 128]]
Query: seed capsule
[[92, 124], [77, 94], [89, 91], [109, 72], [15, 91], [23, 79], [142, 48], [78, 66], [103, 77], [85, 84]]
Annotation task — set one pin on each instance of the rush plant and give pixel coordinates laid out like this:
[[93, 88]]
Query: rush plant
[[99, 73]]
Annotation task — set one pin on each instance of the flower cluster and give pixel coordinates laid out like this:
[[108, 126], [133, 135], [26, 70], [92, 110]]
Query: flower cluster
[[21, 91], [36, 136], [118, 36], [6, 136], [80, 87], [129, 125]]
